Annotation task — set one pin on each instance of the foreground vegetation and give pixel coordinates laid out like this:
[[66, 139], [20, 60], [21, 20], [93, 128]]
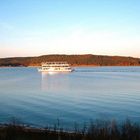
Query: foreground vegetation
[[99, 130], [75, 60]]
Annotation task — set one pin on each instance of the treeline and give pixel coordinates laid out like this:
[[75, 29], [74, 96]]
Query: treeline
[[75, 60]]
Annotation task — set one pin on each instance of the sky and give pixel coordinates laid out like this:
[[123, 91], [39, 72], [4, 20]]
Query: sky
[[40, 27]]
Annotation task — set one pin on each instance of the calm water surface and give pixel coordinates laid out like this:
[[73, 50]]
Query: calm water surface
[[87, 93]]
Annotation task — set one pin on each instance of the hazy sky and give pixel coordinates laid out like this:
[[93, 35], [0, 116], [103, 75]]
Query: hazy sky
[[36, 27]]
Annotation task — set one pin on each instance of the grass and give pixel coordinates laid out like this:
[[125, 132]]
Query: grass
[[99, 130]]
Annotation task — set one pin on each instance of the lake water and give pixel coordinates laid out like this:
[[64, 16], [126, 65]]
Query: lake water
[[86, 94]]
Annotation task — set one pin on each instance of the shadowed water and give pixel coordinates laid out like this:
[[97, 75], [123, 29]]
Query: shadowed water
[[87, 93]]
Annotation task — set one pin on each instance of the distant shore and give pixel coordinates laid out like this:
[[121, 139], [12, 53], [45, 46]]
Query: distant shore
[[87, 60]]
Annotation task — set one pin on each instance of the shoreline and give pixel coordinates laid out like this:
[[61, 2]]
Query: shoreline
[[102, 130], [72, 66]]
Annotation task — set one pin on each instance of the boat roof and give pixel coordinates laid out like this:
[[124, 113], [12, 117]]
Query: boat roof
[[55, 62]]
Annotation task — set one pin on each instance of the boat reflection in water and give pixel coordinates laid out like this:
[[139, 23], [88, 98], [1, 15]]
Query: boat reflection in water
[[55, 81]]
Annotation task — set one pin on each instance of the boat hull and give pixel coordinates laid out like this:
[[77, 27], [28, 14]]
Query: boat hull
[[41, 70]]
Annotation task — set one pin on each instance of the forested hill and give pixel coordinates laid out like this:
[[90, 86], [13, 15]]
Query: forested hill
[[75, 60]]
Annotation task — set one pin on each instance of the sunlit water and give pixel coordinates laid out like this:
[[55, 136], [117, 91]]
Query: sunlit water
[[86, 94]]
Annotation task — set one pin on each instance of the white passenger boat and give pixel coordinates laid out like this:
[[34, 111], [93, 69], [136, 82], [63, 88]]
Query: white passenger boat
[[55, 67]]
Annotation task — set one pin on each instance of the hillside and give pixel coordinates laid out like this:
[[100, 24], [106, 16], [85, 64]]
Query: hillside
[[74, 60]]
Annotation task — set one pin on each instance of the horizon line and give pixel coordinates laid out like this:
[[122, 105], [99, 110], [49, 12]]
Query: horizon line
[[68, 55]]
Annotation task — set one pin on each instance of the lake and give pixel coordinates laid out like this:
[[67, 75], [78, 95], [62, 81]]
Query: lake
[[88, 93]]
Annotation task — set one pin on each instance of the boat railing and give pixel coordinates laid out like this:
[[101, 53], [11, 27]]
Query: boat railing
[[54, 63]]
